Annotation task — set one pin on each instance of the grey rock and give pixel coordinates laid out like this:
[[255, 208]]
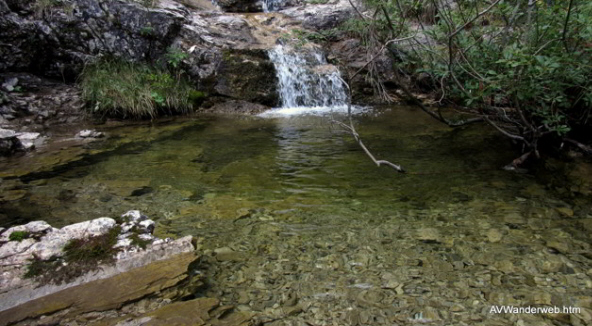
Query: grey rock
[[9, 143], [10, 84], [321, 16], [31, 227]]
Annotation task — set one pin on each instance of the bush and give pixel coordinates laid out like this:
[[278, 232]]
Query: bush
[[522, 67], [123, 89]]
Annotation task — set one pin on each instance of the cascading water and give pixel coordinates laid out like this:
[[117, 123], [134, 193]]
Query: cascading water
[[306, 80], [272, 5]]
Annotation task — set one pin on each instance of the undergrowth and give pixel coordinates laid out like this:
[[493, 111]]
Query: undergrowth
[[132, 90]]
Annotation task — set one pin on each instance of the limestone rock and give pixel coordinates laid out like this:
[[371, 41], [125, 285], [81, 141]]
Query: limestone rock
[[35, 227], [321, 16], [103, 293]]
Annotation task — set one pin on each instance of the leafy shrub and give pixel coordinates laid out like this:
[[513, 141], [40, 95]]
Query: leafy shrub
[[524, 67], [115, 88]]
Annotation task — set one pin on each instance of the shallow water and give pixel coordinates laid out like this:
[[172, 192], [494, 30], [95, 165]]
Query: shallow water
[[298, 225]]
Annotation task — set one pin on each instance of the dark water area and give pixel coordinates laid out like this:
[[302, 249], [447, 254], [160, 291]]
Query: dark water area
[[297, 224]]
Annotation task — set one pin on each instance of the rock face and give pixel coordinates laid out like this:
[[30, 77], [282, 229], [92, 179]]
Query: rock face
[[241, 5], [56, 38]]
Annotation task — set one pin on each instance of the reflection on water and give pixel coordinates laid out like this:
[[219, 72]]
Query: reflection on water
[[312, 232]]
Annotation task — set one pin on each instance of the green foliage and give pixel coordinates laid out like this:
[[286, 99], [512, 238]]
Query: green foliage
[[116, 88], [529, 68], [174, 57], [320, 36], [147, 31], [18, 236]]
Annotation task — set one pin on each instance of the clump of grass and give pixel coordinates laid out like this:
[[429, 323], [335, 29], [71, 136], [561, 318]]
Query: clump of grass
[[80, 257], [124, 89], [18, 236]]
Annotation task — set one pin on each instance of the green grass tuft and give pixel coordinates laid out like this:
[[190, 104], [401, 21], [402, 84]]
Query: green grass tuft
[[132, 90], [18, 236]]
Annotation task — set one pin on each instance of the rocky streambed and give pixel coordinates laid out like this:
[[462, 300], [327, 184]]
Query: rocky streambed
[[294, 226]]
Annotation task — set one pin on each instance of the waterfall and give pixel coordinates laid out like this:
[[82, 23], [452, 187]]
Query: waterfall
[[272, 5], [306, 80]]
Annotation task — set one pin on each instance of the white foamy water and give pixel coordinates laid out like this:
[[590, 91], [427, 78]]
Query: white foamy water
[[272, 5], [306, 110], [307, 84]]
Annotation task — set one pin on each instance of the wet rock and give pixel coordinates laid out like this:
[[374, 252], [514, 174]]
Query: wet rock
[[141, 191], [227, 254], [321, 16], [239, 77], [494, 235], [161, 271], [196, 312], [565, 211], [240, 5], [428, 235], [560, 246], [9, 143], [87, 133], [10, 83]]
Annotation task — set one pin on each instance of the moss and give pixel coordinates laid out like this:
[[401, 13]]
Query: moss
[[18, 236], [197, 97], [80, 257]]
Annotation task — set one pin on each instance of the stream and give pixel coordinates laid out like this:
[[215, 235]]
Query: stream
[[296, 224]]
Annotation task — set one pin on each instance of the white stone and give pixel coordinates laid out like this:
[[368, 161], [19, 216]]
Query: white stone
[[87, 133], [15, 247], [147, 226], [123, 243], [146, 237], [135, 216], [53, 243], [6, 133], [31, 227]]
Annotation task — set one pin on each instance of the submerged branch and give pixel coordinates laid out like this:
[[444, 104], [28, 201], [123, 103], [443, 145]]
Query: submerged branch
[[352, 130]]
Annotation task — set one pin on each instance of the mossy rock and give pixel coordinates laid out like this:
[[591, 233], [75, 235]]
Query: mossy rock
[[247, 75]]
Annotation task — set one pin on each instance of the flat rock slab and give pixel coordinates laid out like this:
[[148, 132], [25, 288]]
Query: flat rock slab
[[196, 312], [106, 294]]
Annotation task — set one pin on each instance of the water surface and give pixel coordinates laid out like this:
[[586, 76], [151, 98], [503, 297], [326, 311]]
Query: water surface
[[298, 225]]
